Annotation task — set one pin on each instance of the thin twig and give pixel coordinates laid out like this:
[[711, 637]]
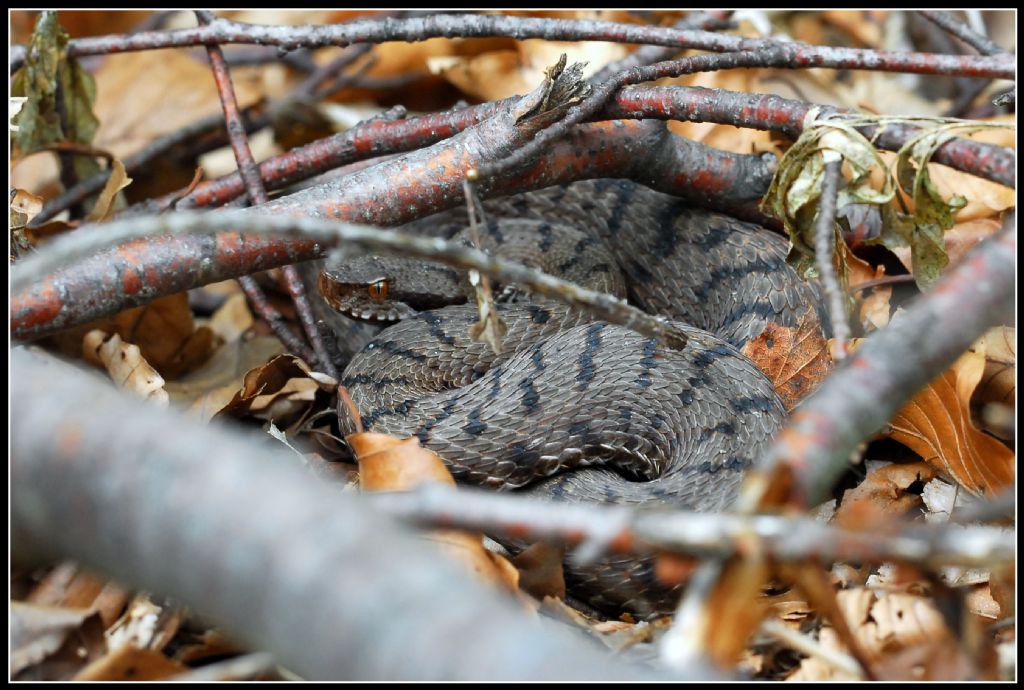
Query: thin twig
[[648, 55], [250, 173], [223, 31], [951, 25], [254, 188], [884, 280], [619, 529], [824, 252]]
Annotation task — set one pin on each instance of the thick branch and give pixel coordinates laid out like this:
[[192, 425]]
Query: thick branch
[[334, 589], [755, 111], [86, 241]]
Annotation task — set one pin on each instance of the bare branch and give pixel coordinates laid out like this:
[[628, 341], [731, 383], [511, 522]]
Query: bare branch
[[334, 589]]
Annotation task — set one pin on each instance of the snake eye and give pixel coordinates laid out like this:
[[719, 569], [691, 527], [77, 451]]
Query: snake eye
[[378, 289]]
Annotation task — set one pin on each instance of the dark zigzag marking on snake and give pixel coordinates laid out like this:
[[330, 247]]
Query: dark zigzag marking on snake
[[424, 433], [727, 428], [403, 408], [648, 363], [376, 382], [436, 328], [547, 238], [586, 359], [531, 399], [474, 427], [726, 274], [391, 347]]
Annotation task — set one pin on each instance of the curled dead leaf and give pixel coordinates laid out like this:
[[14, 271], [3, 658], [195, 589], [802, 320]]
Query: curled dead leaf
[[284, 390], [936, 424], [883, 497], [126, 365]]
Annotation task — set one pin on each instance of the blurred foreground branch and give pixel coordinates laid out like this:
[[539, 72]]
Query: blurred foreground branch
[[236, 531]]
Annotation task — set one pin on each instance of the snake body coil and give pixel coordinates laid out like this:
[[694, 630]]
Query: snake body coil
[[580, 410]]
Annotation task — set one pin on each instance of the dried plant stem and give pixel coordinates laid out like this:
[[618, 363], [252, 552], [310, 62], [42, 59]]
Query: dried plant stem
[[824, 253], [950, 24]]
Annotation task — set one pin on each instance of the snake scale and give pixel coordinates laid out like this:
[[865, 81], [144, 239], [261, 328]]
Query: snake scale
[[574, 409]]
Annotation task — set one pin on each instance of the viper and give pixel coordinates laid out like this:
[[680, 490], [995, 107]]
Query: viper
[[575, 409]]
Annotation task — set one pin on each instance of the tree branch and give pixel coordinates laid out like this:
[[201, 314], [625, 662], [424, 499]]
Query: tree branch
[[223, 31], [258, 546]]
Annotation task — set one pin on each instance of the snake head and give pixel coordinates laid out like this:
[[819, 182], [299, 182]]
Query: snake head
[[384, 289]]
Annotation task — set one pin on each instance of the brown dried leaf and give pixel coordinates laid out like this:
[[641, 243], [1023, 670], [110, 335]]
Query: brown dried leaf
[[284, 390], [540, 570], [141, 96], [211, 387], [163, 330], [937, 425], [69, 586], [999, 382], [26, 204], [882, 497], [518, 70], [145, 625], [814, 668], [874, 303], [50, 643], [390, 464], [387, 463], [734, 609], [795, 359], [130, 663], [126, 366], [117, 181]]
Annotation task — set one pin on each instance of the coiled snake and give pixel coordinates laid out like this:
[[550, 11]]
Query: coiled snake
[[581, 410]]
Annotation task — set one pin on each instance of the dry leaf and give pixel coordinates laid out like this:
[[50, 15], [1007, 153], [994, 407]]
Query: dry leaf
[[999, 382], [937, 425], [50, 643], [517, 70], [284, 390], [540, 570], [163, 330], [141, 96], [145, 625], [210, 389], [117, 181], [26, 204], [126, 365], [734, 609], [874, 303], [882, 498], [816, 669], [69, 586], [390, 464], [795, 359], [130, 663]]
